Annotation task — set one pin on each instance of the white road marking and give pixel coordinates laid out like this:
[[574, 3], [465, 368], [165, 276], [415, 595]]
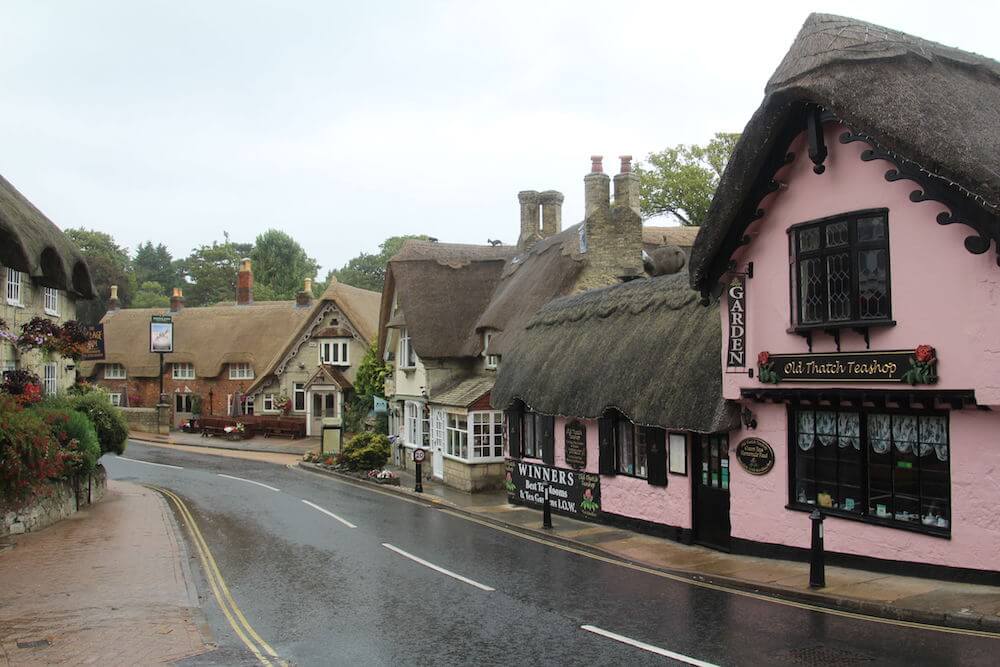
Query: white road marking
[[150, 463], [437, 568], [330, 514], [241, 479], [680, 657]]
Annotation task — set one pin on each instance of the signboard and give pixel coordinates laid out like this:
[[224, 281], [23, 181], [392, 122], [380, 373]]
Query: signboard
[[755, 455], [381, 406], [419, 455], [570, 491], [161, 334], [576, 444], [736, 356], [94, 349], [910, 366]]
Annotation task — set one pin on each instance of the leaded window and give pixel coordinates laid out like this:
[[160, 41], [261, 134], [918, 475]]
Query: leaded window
[[887, 467], [840, 270]]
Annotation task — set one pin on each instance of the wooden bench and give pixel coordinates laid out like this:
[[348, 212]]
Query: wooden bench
[[218, 425], [288, 426]]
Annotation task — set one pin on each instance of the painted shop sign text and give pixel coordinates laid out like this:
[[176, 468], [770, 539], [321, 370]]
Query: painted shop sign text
[[755, 455], [576, 444], [736, 357], [570, 491], [913, 367]]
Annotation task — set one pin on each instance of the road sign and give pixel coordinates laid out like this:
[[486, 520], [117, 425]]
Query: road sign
[[419, 455]]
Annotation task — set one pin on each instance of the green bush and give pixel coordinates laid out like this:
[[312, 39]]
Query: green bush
[[109, 422], [366, 451], [356, 411], [29, 455], [76, 437]]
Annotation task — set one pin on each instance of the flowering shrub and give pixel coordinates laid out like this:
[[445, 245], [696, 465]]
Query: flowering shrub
[[69, 340], [79, 449], [283, 403], [29, 454], [23, 385], [108, 421], [365, 451]]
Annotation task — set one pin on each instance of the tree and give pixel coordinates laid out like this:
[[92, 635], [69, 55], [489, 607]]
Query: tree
[[367, 271], [109, 265], [150, 295], [281, 264], [370, 378], [211, 272], [680, 181], [155, 264]]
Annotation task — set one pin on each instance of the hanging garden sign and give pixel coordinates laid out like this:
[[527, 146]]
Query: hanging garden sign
[[736, 356], [755, 455], [913, 367]]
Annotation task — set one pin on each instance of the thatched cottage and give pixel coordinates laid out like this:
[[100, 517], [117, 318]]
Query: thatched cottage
[[856, 237], [451, 312], [43, 275], [260, 355]]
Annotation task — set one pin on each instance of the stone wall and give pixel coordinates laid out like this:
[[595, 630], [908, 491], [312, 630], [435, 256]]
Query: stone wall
[[58, 501], [141, 419], [472, 477]]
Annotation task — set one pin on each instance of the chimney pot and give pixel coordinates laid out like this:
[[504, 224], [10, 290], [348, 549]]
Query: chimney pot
[[177, 300], [626, 163], [596, 166], [304, 298], [552, 202], [113, 299], [307, 285], [244, 283]]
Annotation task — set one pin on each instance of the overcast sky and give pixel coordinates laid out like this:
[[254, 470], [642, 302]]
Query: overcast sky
[[343, 123]]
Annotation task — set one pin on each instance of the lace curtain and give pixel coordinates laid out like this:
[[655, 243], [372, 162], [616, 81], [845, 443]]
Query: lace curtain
[[910, 433]]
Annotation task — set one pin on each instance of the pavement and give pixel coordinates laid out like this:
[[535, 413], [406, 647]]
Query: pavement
[[914, 599], [271, 445], [328, 570], [110, 586]]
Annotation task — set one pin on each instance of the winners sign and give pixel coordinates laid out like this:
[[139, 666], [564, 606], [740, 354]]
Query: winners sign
[[570, 491], [736, 357]]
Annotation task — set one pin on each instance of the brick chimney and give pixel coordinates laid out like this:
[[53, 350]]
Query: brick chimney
[[177, 300], [551, 212], [612, 234], [530, 231], [244, 283], [304, 298], [113, 304]]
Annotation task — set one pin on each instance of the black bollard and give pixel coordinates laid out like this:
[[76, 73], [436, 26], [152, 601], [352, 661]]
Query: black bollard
[[419, 486], [817, 573], [546, 510]]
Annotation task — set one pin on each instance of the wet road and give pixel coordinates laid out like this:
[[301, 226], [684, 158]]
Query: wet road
[[340, 585]]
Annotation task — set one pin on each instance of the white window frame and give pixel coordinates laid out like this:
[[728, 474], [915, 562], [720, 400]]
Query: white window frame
[[111, 372], [51, 301], [249, 405], [182, 370], [334, 352], [299, 389], [267, 404], [116, 399], [457, 435], [50, 381], [493, 435], [229, 405], [407, 357], [412, 422], [492, 360], [15, 284], [242, 370]]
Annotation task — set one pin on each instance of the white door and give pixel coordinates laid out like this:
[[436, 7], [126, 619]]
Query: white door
[[438, 435]]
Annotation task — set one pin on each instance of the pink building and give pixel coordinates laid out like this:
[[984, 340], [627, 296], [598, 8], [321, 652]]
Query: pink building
[[850, 241], [851, 255]]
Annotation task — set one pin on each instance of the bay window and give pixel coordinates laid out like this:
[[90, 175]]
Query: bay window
[[881, 466], [458, 436], [840, 271], [487, 435]]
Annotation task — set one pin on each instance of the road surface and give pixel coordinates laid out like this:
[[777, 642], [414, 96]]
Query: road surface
[[327, 573]]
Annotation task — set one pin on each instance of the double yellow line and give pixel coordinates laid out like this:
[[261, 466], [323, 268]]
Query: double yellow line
[[227, 604]]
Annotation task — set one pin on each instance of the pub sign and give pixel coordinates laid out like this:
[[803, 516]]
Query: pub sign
[[736, 356], [94, 347], [161, 334], [575, 443], [570, 491]]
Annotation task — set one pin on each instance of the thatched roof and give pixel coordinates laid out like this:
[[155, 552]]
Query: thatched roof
[[442, 289], [681, 236], [548, 270], [645, 347], [32, 243], [933, 105], [212, 336], [209, 337]]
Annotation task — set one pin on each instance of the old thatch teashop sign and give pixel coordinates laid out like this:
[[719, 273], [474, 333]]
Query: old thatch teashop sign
[[570, 491], [917, 366], [755, 455], [736, 357], [576, 444]]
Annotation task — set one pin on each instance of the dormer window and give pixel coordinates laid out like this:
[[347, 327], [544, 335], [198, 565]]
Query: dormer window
[[334, 352], [407, 357], [241, 371], [492, 360], [840, 271]]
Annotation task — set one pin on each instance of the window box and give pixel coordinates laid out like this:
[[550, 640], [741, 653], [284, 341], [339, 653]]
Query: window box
[[840, 276]]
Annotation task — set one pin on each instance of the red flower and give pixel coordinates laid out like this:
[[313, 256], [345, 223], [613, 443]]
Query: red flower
[[763, 358], [588, 494], [925, 353]]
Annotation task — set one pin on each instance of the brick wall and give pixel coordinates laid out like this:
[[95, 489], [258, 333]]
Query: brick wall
[[145, 392]]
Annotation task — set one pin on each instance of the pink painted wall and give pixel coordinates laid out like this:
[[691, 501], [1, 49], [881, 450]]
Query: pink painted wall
[[758, 502], [941, 295], [629, 496]]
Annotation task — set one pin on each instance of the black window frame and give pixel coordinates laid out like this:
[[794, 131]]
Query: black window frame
[[654, 437], [853, 247], [864, 516]]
